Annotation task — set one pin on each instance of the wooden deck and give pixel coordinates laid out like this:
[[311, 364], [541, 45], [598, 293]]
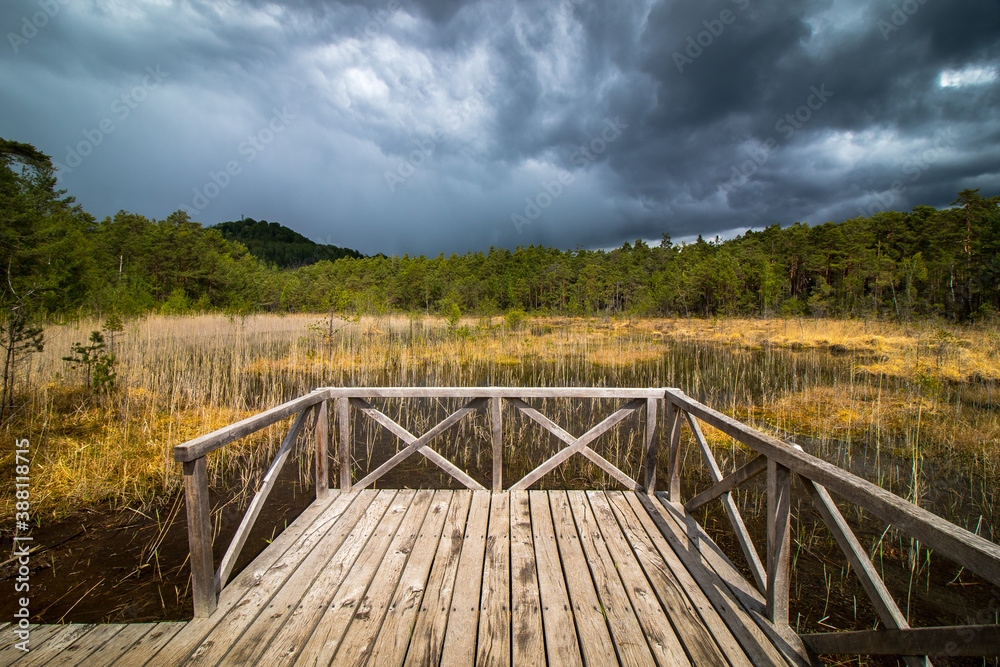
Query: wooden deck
[[403, 577]]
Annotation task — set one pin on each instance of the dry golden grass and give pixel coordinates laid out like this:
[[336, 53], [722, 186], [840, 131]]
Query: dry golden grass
[[179, 377]]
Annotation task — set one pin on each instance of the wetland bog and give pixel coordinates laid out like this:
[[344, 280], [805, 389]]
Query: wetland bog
[[913, 408]]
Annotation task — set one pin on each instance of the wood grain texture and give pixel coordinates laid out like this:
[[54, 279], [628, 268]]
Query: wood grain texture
[[562, 646], [595, 638], [493, 647], [962, 546], [427, 642], [391, 640], [527, 637], [463, 620]]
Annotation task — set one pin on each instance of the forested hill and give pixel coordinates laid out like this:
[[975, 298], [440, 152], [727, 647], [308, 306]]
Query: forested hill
[[276, 244]]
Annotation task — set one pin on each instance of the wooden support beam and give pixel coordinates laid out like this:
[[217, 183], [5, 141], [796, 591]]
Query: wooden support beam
[[674, 456], [754, 467], [246, 525], [407, 437], [496, 415], [888, 612], [199, 527], [732, 511], [322, 437], [973, 552], [344, 443], [577, 444], [937, 642], [199, 447], [422, 441], [650, 447], [779, 541]]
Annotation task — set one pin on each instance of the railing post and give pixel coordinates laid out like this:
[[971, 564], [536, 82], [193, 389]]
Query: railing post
[[779, 534], [322, 435], [344, 449], [651, 446], [199, 526], [496, 415], [674, 460]]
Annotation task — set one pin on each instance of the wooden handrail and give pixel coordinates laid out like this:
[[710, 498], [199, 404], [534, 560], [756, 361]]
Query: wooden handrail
[[782, 460], [962, 546], [207, 582]]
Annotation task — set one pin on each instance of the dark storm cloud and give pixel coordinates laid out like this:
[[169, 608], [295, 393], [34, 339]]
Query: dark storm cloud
[[424, 126]]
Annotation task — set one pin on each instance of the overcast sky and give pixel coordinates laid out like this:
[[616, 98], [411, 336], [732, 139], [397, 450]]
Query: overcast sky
[[427, 126]]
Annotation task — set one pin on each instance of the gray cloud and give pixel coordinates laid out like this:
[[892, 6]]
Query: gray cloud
[[423, 127]]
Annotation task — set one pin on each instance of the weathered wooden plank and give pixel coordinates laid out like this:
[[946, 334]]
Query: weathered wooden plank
[[184, 642], [714, 568], [344, 443], [489, 392], [610, 468], [463, 621], [37, 636], [684, 603], [407, 437], [754, 467], [199, 528], [240, 625], [496, 416], [149, 644], [402, 519], [84, 646], [250, 517], [674, 453], [293, 609], [595, 638], [626, 633], [561, 643], [733, 512], [200, 446], [944, 642], [432, 618], [363, 627], [390, 645], [527, 638], [579, 443], [437, 430], [116, 645], [650, 448], [757, 646], [493, 646], [975, 553], [337, 585], [321, 436], [667, 649], [779, 541], [66, 636]]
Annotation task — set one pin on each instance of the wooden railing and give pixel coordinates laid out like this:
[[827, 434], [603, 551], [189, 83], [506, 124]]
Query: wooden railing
[[207, 582], [779, 459]]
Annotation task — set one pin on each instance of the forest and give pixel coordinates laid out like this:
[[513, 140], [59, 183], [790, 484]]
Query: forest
[[60, 262]]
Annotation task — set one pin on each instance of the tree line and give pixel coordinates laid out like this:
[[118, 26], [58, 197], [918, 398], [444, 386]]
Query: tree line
[[59, 261]]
